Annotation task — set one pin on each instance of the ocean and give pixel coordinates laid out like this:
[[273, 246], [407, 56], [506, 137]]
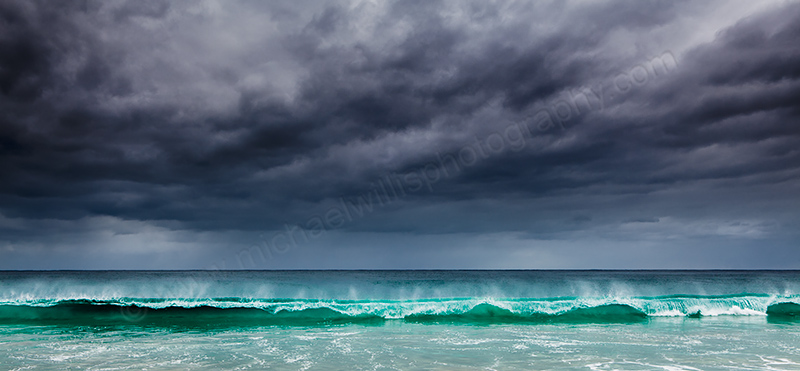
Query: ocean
[[400, 320]]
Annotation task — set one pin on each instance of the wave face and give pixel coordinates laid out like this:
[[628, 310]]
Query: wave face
[[323, 297]]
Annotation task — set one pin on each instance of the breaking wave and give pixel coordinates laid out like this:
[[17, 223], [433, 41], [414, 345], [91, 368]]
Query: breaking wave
[[312, 297], [241, 311]]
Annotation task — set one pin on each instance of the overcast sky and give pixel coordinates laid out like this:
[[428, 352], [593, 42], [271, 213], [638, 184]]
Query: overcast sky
[[415, 134]]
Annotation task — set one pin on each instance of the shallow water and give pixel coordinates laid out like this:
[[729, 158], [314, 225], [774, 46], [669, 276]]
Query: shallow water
[[400, 320]]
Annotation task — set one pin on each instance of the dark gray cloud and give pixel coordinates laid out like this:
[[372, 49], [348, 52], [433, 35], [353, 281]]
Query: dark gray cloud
[[163, 135]]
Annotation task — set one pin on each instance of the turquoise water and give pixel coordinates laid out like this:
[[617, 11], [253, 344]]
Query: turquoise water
[[328, 320]]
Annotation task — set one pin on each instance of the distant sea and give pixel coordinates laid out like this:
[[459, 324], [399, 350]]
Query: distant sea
[[400, 320]]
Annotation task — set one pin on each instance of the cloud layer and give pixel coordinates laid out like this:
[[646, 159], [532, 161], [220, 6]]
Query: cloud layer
[[480, 135]]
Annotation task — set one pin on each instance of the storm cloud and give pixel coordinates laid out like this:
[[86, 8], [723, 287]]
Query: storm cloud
[[161, 135]]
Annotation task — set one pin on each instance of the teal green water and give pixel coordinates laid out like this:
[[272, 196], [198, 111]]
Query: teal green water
[[504, 320]]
